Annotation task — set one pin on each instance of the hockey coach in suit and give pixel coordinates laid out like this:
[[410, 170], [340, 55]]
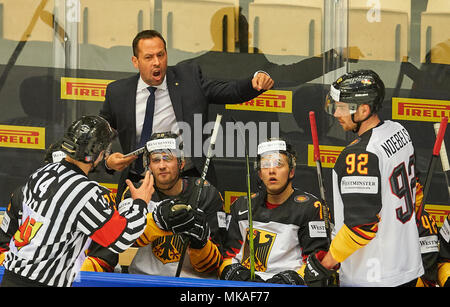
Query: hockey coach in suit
[[173, 94]]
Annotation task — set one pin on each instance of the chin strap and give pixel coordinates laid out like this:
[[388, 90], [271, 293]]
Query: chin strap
[[358, 124], [282, 190]]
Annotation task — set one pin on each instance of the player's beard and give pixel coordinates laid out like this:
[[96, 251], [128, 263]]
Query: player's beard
[[166, 186], [347, 125]]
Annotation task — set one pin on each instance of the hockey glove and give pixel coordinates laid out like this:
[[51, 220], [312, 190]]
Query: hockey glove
[[288, 277], [238, 272], [316, 275], [171, 215], [199, 233]]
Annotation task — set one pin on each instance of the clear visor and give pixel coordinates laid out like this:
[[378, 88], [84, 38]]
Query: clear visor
[[339, 109], [163, 155], [272, 160]]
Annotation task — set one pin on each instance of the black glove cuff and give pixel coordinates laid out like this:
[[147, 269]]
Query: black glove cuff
[[288, 277], [316, 275]]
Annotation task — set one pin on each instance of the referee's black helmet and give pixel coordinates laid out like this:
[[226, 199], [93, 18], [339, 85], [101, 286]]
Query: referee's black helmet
[[87, 137]]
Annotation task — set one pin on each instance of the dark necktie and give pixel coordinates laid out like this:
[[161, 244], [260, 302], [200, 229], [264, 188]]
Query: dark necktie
[[147, 127]]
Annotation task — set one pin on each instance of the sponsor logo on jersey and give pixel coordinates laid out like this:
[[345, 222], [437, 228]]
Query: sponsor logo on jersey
[[317, 229], [83, 89], [168, 248], [328, 155], [262, 244], [22, 137], [269, 101], [26, 232], [429, 244], [438, 212], [425, 110], [445, 231], [359, 184]]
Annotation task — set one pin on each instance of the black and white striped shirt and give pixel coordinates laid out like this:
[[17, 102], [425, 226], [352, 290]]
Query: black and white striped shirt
[[62, 211]]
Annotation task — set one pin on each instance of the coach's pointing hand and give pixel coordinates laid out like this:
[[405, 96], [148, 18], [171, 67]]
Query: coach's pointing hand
[[118, 162]]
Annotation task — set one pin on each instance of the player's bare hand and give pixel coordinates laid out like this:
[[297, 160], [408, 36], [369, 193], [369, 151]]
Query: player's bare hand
[[262, 82], [118, 162], [145, 191]]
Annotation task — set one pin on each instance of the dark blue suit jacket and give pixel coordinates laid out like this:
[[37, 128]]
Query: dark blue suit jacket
[[190, 93]]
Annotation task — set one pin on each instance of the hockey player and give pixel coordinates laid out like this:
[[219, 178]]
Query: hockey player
[[204, 222], [63, 211], [374, 190], [429, 242], [287, 223], [444, 254]]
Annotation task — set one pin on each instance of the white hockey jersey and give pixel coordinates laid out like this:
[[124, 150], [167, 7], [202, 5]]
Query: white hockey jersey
[[374, 184]]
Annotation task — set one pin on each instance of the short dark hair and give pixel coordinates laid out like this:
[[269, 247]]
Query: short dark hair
[[146, 34]]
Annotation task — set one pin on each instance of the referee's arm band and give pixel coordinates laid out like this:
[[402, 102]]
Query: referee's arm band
[[346, 243]]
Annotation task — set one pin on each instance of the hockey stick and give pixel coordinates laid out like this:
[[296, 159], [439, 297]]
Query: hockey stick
[[249, 208], [136, 152], [315, 139], [200, 186], [444, 158], [434, 157]]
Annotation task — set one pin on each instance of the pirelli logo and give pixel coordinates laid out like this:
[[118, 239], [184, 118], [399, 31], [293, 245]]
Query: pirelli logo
[[424, 110], [230, 197], [270, 101], [83, 89], [328, 155], [22, 137], [438, 212]]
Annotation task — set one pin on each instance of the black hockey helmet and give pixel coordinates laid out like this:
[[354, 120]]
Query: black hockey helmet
[[87, 137], [163, 142], [356, 88], [274, 145]]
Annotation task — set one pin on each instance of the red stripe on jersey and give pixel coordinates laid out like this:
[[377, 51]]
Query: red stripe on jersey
[[235, 250], [230, 254], [111, 230], [103, 264]]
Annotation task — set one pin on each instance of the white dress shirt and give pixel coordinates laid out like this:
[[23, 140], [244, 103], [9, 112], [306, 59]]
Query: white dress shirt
[[163, 117]]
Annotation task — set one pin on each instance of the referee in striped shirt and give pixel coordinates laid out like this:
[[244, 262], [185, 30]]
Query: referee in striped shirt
[[62, 211]]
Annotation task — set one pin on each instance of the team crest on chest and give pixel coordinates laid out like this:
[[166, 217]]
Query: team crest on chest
[[168, 248], [262, 244]]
